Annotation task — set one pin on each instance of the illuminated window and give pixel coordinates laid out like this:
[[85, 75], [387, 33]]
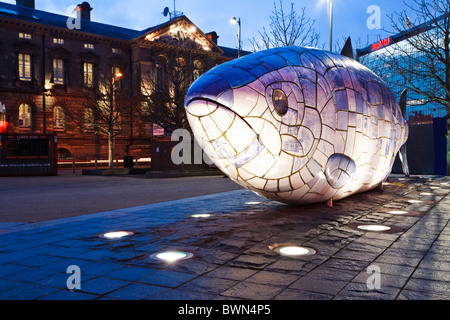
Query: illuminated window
[[198, 66], [59, 121], [116, 50], [88, 74], [24, 62], [88, 119], [58, 41], [58, 71], [25, 35], [25, 116], [89, 46]]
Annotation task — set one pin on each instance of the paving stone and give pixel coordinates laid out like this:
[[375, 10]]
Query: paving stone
[[437, 275], [273, 278], [420, 295], [232, 273], [27, 292], [319, 285], [360, 291], [252, 291], [428, 286], [291, 294], [137, 291], [251, 261], [102, 285], [168, 278], [210, 284]]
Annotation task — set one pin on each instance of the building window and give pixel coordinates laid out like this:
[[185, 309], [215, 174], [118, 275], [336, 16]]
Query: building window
[[25, 36], [24, 116], [88, 119], [88, 74], [58, 41], [89, 46], [59, 119], [116, 50], [24, 66], [198, 67], [58, 71]]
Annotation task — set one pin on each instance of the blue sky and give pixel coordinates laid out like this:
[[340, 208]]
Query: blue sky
[[350, 16]]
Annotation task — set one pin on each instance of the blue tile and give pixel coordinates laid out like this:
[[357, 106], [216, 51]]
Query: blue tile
[[168, 278], [102, 285], [137, 291]]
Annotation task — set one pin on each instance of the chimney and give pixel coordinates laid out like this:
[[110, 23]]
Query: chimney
[[85, 9], [25, 3], [213, 36]]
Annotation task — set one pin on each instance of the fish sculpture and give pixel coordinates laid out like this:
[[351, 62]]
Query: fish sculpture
[[297, 125]]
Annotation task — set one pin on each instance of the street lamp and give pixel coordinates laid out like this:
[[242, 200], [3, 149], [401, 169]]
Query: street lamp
[[116, 79], [331, 25], [238, 21]]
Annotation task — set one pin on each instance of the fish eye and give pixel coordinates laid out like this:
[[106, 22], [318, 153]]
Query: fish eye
[[280, 102]]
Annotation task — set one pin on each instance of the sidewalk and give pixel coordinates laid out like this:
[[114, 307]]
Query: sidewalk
[[232, 258]]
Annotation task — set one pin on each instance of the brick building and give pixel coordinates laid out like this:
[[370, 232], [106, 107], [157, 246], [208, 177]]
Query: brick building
[[47, 60]]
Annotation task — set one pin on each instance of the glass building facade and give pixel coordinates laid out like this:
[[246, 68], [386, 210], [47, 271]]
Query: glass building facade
[[404, 64]]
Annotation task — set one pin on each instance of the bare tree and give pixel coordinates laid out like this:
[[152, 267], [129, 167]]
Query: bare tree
[[422, 60], [105, 109], [287, 29], [164, 89]]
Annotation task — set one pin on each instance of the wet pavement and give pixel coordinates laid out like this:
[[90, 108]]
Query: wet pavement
[[234, 250]]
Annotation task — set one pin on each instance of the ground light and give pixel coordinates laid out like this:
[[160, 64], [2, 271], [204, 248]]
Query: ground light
[[201, 215], [116, 234], [253, 202], [414, 201], [373, 227], [427, 193], [171, 256], [292, 250], [398, 212]]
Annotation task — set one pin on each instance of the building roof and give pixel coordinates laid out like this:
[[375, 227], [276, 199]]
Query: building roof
[[56, 20]]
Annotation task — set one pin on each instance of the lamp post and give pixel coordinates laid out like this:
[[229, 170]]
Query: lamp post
[[116, 79], [238, 21], [331, 25]]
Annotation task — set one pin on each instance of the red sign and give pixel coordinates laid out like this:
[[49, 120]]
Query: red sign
[[381, 43], [4, 126]]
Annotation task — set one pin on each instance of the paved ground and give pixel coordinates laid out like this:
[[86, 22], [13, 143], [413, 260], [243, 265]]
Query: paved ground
[[232, 255], [34, 199]]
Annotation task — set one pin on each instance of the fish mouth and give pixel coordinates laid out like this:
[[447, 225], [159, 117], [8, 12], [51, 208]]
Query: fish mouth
[[221, 132]]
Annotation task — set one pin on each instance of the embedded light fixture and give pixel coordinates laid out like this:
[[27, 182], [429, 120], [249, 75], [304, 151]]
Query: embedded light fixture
[[373, 227], [116, 234], [427, 193], [292, 250], [201, 215], [414, 201], [398, 212], [171, 256], [253, 202]]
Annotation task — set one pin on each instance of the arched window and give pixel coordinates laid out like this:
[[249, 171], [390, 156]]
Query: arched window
[[59, 119], [25, 116]]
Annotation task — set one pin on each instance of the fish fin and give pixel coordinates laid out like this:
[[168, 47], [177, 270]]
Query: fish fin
[[402, 153], [347, 51], [404, 160], [403, 102]]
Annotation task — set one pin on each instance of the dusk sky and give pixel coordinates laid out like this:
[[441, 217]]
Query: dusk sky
[[350, 16]]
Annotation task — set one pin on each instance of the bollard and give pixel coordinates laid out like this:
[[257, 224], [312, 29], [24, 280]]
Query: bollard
[[73, 166], [96, 164]]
